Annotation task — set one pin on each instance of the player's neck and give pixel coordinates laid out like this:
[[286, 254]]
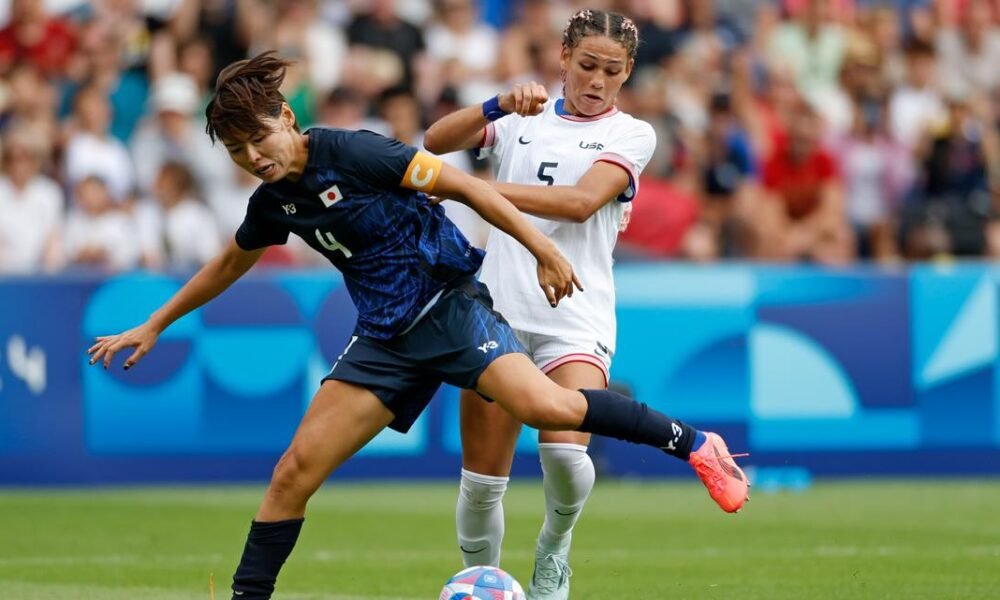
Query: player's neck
[[565, 107], [301, 159]]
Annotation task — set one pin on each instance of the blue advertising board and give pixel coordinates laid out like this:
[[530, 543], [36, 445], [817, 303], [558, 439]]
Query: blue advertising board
[[854, 371]]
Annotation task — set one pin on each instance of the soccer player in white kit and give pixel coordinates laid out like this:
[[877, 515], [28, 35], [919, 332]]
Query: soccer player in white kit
[[573, 164]]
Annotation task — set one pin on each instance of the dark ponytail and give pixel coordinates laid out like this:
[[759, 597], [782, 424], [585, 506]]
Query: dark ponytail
[[246, 92]]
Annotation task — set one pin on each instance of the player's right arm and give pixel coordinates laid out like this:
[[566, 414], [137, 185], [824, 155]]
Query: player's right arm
[[464, 129], [231, 264]]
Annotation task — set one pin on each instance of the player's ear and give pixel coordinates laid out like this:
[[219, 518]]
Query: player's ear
[[287, 115], [564, 57], [628, 68]]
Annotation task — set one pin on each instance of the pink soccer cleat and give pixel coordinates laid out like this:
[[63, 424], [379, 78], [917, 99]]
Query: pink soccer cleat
[[726, 482]]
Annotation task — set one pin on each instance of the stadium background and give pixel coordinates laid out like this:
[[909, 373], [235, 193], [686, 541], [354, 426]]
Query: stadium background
[[873, 356]]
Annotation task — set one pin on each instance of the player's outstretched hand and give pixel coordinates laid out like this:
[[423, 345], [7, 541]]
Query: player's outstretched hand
[[525, 99], [141, 338], [556, 277]]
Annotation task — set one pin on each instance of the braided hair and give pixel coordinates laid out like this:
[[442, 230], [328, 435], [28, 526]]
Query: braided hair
[[614, 25]]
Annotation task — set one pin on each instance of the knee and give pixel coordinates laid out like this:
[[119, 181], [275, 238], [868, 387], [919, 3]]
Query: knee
[[553, 411], [290, 476], [482, 492], [486, 459]]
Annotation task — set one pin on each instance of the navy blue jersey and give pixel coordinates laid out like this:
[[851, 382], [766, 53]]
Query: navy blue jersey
[[360, 203]]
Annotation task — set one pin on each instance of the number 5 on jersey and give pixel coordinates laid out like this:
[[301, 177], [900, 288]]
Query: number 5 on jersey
[[543, 176]]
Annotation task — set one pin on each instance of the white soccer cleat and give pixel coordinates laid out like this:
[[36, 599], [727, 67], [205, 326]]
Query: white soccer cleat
[[550, 581]]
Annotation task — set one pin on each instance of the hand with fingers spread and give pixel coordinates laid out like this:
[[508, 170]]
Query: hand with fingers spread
[[142, 338], [525, 99], [556, 276]]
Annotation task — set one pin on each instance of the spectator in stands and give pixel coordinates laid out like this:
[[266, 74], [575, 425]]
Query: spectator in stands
[[764, 106], [32, 36], [382, 29], [664, 225], [801, 215], [884, 26], [860, 79], [659, 29], [98, 233], [728, 178], [181, 228], [100, 63], [91, 150], [195, 59], [877, 173], [230, 25], [813, 45], [918, 105], [953, 203], [296, 29], [31, 204], [450, 37], [708, 37], [31, 100], [970, 53], [172, 134], [527, 39], [228, 203], [345, 108]]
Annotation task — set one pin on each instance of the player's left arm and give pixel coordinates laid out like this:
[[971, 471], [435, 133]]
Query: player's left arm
[[602, 183], [614, 176]]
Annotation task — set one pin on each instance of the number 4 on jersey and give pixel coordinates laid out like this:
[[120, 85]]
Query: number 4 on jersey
[[330, 243]]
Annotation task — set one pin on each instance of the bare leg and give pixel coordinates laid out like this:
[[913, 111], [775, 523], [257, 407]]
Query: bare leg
[[517, 386], [342, 418]]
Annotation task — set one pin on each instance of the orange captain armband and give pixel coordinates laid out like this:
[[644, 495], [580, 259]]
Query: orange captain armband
[[422, 173]]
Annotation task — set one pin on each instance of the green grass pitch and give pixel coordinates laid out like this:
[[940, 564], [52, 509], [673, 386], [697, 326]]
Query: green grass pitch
[[867, 539]]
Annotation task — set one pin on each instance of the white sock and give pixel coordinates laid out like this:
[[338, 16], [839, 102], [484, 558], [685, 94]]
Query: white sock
[[479, 518], [569, 477]]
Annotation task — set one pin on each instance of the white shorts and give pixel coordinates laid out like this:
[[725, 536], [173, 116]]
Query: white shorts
[[550, 352]]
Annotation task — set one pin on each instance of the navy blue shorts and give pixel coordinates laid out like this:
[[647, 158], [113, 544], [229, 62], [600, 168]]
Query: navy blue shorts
[[453, 343]]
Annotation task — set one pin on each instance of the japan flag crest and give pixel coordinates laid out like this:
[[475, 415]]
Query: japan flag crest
[[331, 196]]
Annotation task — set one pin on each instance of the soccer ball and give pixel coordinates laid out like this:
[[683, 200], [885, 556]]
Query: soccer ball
[[482, 583]]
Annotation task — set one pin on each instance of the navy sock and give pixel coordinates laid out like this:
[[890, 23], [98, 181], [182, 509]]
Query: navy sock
[[267, 547], [612, 415], [699, 439]]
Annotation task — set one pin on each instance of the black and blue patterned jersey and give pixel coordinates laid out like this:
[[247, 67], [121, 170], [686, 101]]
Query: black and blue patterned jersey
[[360, 202]]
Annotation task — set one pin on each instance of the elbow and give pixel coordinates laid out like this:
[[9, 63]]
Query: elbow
[[584, 210], [433, 142]]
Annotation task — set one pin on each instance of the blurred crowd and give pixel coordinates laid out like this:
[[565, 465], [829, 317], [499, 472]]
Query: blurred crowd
[[825, 131]]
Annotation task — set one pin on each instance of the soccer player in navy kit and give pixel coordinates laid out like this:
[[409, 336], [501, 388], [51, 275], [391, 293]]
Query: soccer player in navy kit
[[359, 199]]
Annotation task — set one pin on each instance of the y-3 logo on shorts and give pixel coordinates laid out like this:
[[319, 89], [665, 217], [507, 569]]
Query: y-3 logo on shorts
[[490, 345]]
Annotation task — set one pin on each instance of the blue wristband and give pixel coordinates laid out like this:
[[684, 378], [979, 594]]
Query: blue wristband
[[492, 110]]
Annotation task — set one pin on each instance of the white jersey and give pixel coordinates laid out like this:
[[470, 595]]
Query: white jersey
[[555, 148]]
